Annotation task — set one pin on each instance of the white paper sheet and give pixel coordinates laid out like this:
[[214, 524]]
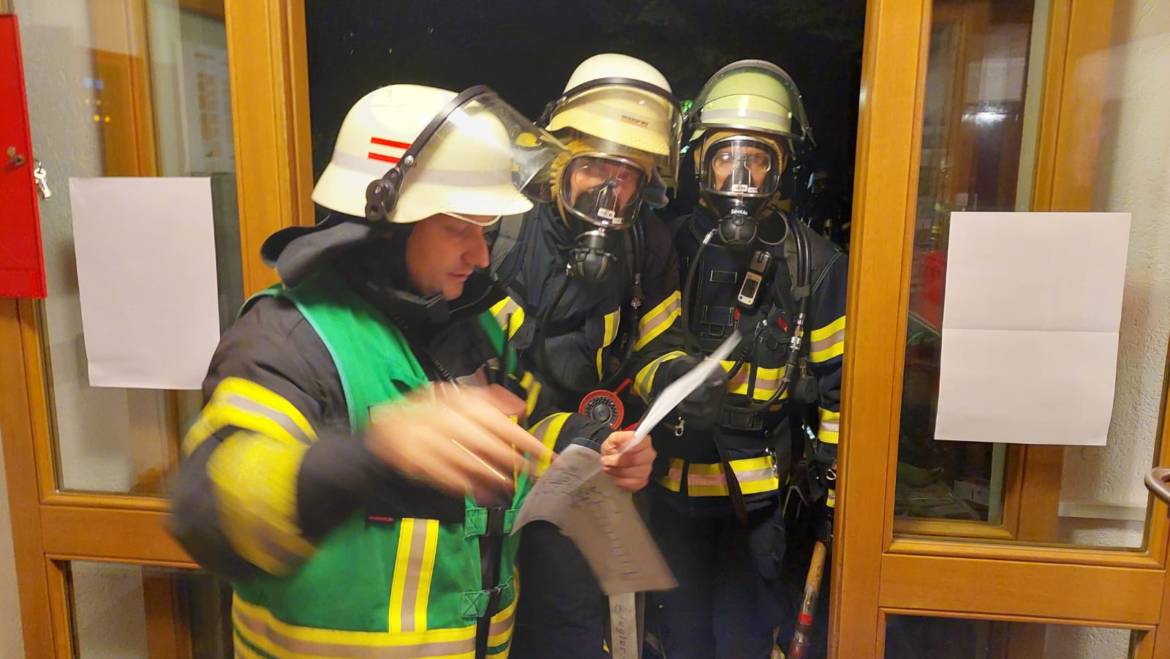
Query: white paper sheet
[[601, 519], [147, 280], [1030, 327]]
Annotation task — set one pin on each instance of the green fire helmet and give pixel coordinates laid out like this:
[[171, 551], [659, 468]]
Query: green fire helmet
[[752, 95]]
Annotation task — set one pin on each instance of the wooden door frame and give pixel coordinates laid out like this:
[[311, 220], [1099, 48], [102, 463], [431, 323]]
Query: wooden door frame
[[877, 573], [270, 111]]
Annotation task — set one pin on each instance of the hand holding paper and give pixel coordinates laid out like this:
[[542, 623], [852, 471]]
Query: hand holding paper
[[630, 470], [680, 388]]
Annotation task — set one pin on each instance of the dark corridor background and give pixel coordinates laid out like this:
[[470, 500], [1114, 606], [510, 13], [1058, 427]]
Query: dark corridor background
[[526, 50]]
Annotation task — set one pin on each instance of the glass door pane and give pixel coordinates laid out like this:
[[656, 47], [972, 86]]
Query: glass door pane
[[977, 133], [911, 637], [122, 88], [127, 611], [979, 142]]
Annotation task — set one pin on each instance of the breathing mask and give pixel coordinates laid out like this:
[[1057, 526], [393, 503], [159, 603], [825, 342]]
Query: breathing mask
[[737, 176], [599, 195]]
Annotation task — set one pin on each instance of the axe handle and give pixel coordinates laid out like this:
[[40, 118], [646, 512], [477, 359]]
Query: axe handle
[[802, 637]]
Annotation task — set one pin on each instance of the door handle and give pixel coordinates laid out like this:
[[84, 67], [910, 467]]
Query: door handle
[[1156, 482]]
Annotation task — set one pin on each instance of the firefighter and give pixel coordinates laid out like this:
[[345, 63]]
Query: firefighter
[[716, 493], [355, 472], [594, 304]]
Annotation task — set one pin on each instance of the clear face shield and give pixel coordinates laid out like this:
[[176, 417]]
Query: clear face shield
[[477, 159], [603, 190], [737, 177]]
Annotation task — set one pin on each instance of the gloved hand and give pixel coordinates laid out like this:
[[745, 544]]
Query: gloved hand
[[701, 407]]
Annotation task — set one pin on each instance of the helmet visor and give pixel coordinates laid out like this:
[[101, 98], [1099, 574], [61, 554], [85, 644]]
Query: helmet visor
[[636, 115], [484, 158], [741, 167], [603, 190]]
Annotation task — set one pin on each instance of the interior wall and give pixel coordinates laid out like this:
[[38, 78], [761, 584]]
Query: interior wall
[[1103, 494], [1103, 499]]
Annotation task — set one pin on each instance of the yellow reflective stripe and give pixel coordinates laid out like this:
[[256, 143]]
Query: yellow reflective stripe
[[254, 477], [500, 630], [767, 381], [754, 476], [547, 431], [509, 315], [242, 650], [644, 379], [827, 342], [820, 356], [752, 464], [672, 479], [659, 319], [827, 331], [612, 322], [531, 400], [831, 498], [829, 431], [401, 574], [414, 566], [532, 389], [706, 480], [765, 481], [259, 627], [245, 404]]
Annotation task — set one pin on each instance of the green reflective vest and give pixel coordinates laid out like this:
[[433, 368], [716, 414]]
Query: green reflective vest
[[409, 588]]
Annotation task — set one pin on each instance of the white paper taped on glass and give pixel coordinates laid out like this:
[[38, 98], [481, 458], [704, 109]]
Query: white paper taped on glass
[[1031, 316], [147, 280]]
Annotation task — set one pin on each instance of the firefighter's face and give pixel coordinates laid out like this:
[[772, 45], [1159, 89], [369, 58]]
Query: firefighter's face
[[443, 251], [757, 161], [590, 173]]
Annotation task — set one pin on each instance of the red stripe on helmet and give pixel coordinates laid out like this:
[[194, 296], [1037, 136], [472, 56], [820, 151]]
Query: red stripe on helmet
[[385, 142], [377, 156]]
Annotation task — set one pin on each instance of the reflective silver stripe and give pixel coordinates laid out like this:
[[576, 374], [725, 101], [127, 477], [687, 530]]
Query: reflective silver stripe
[[376, 168], [414, 566], [268, 538], [648, 327], [718, 115], [828, 341], [831, 426], [503, 624], [502, 312], [755, 475], [249, 628], [279, 418]]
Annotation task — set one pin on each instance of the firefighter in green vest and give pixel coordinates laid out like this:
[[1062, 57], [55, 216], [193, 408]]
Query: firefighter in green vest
[[358, 464]]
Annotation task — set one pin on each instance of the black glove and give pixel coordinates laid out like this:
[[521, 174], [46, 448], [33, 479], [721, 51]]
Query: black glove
[[701, 407]]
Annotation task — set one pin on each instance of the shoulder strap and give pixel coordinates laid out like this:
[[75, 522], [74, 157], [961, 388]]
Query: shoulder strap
[[505, 243], [499, 342]]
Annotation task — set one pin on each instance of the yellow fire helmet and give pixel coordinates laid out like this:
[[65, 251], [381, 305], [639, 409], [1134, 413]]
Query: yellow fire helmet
[[625, 101]]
